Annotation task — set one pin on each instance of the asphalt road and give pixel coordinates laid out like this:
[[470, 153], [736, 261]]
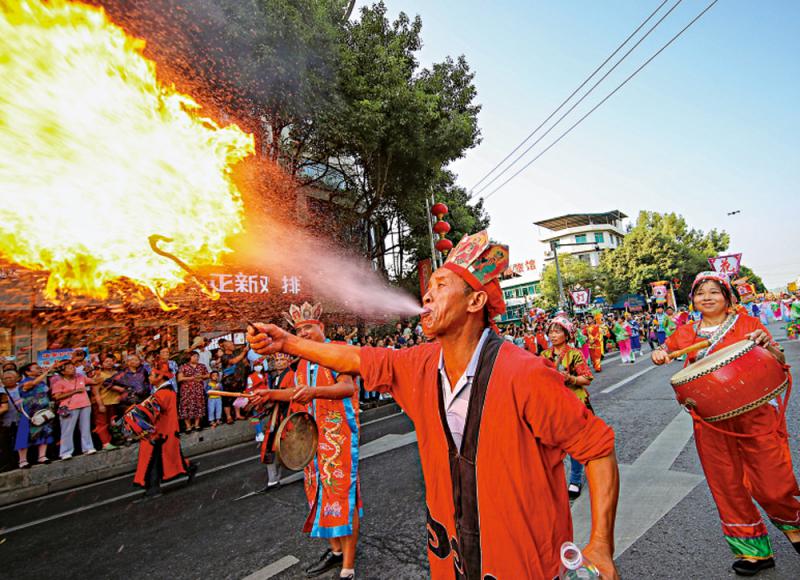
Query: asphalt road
[[207, 531]]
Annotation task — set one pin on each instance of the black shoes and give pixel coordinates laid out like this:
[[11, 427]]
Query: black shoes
[[574, 491], [192, 471], [328, 561], [751, 568]]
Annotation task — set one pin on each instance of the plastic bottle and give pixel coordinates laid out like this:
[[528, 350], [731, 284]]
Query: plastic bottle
[[574, 566]]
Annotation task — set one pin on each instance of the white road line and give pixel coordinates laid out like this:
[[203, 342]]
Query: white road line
[[127, 475], [382, 445], [625, 381], [273, 569]]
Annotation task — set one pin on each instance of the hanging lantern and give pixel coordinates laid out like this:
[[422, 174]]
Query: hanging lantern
[[444, 245], [441, 228], [439, 210]]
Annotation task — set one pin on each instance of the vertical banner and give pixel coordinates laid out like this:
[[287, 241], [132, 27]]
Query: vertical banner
[[424, 271], [728, 264]]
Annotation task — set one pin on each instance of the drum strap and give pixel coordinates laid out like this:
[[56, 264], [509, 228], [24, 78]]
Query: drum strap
[[717, 335]]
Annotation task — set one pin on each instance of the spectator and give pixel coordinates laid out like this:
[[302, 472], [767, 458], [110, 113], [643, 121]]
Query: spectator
[[82, 366], [192, 406], [74, 407], [134, 379], [164, 370], [233, 376], [214, 401], [10, 419], [200, 345], [107, 398], [34, 395]]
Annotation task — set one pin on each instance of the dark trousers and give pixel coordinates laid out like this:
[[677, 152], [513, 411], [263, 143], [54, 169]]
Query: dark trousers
[[8, 457]]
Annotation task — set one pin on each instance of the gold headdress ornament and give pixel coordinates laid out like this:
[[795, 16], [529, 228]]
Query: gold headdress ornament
[[304, 314]]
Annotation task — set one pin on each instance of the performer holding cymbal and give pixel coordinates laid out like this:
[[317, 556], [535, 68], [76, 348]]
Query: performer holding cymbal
[[493, 423], [738, 469], [331, 481]]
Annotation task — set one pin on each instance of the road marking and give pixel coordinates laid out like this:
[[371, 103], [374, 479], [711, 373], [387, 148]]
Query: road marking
[[627, 380], [128, 474], [273, 569], [383, 445], [648, 489]]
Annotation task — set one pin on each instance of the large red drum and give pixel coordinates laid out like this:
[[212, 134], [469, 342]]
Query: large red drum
[[730, 381]]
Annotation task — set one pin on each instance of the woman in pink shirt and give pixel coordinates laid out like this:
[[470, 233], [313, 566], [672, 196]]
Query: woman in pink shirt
[[74, 406]]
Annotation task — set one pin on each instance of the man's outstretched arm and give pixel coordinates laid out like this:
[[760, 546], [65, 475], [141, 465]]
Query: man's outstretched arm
[[268, 339], [603, 477]]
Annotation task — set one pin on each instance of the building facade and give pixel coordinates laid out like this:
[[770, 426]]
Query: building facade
[[585, 236], [519, 292]]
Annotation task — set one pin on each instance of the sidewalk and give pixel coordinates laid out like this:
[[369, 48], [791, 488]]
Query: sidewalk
[[40, 480]]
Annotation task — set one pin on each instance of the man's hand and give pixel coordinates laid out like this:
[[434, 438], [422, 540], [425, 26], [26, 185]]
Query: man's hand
[[760, 337], [304, 394], [602, 555], [101, 408], [267, 338], [659, 357], [260, 396]]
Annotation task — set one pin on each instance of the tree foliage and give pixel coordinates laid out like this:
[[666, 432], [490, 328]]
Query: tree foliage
[[574, 273], [659, 247]]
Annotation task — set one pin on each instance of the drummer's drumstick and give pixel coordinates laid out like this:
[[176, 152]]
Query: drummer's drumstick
[[230, 394], [696, 346]]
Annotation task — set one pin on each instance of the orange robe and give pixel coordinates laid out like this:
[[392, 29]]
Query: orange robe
[[739, 470], [505, 487], [165, 441]]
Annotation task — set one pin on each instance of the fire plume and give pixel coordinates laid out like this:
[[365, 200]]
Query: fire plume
[[98, 155]]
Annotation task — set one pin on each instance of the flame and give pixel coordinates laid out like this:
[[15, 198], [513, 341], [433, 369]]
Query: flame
[[98, 155]]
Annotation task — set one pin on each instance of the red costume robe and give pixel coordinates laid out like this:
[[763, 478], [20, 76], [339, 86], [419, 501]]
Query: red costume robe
[[498, 507], [739, 470], [331, 480], [165, 442]]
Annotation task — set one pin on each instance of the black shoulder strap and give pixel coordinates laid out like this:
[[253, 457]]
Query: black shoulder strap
[[463, 473]]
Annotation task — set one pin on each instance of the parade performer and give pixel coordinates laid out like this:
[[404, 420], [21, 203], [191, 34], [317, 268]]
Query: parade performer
[[636, 336], [160, 456], [582, 342], [331, 480], [282, 378], [793, 328], [594, 334], [493, 423], [622, 335], [739, 470], [569, 361]]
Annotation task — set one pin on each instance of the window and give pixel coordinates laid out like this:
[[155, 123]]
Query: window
[[584, 258], [598, 237], [580, 239], [509, 294]]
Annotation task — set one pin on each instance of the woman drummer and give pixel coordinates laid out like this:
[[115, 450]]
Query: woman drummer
[[739, 470]]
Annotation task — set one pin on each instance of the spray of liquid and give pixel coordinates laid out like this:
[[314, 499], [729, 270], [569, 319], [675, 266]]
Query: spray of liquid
[[326, 271]]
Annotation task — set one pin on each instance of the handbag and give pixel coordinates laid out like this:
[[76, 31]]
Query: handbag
[[39, 418]]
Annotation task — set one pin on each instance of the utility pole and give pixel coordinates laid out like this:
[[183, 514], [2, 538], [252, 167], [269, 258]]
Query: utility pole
[[554, 247]]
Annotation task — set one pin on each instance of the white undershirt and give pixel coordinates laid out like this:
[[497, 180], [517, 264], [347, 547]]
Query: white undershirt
[[456, 401]]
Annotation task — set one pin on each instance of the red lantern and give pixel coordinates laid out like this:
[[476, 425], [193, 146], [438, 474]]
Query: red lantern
[[439, 210], [441, 228], [444, 245]]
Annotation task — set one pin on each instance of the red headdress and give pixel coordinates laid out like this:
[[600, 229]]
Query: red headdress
[[721, 279], [564, 322], [480, 263], [304, 314]]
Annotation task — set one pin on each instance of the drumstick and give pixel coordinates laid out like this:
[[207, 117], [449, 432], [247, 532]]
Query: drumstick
[[230, 394], [696, 346]]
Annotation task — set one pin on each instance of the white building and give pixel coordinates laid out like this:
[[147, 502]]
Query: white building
[[584, 235]]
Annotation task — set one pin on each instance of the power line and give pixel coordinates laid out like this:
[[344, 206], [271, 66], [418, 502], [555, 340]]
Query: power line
[[579, 101], [565, 101], [597, 106]]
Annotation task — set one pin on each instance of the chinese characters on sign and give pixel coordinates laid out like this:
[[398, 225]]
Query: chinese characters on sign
[[581, 297], [728, 265], [526, 266], [251, 283]]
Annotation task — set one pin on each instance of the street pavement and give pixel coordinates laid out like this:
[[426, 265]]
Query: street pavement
[[667, 525]]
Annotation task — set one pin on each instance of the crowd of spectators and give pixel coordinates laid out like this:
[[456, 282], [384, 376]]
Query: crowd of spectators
[[75, 405]]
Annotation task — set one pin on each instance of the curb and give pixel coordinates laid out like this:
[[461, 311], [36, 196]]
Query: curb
[[40, 480]]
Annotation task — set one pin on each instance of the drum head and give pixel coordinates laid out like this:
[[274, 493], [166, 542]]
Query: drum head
[[297, 440], [717, 359]]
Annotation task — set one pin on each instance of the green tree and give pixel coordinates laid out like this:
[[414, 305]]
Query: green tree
[[659, 247], [574, 272]]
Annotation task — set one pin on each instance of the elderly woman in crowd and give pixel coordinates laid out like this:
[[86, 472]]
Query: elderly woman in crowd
[[192, 405]]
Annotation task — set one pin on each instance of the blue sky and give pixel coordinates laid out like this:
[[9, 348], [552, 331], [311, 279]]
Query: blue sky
[[710, 126]]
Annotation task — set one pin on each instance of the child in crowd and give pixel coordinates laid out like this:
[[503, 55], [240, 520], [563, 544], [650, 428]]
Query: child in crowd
[[214, 401]]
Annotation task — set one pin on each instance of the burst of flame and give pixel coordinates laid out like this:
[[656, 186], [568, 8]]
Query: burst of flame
[[96, 155]]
